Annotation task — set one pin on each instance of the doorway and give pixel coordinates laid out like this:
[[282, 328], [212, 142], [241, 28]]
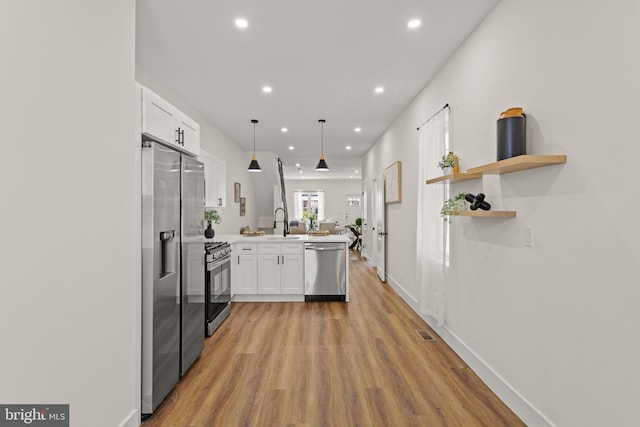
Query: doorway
[[379, 228], [353, 208]]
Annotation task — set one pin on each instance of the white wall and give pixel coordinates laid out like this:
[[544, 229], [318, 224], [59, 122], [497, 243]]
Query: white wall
[[70, 277], [335, 192], [557, 322], [221, 146], [264, 183]]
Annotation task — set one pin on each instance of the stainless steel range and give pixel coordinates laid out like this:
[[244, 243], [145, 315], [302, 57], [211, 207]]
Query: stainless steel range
[[217, 285]]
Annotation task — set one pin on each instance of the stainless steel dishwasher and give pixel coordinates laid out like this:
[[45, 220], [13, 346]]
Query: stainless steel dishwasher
[[325, 271]]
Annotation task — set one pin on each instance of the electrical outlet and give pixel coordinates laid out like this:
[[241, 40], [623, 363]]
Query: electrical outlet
[[527, 236]]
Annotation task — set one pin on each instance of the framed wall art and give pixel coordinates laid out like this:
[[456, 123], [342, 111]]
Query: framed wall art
[[243, 206], [236, 192], [393, 183]]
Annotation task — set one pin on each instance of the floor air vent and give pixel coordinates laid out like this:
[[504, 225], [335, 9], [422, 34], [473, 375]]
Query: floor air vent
[[425, 336]]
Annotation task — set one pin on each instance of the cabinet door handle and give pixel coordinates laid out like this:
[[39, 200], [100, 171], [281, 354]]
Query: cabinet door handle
[[178, 136], [282, 259], [278, 259], [238, 259], [182, 136]]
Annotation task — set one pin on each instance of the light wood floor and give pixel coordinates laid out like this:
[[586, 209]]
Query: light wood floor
[[330, 364]]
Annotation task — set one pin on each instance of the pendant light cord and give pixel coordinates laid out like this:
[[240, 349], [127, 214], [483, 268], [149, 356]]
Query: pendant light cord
[[254, 121], [322, 136]]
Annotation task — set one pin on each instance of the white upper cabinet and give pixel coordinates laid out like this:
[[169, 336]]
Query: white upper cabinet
[[167, 124], [189, 132], [215, 180]]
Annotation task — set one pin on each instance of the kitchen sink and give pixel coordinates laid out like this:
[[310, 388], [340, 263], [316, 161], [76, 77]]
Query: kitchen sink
[[283, 237]]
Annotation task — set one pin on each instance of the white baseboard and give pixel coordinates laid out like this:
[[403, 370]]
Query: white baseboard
[[518, 404], [413, 303], [133, 420]]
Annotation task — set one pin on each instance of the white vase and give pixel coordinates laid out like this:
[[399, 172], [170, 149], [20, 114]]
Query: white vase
[[447, 171]]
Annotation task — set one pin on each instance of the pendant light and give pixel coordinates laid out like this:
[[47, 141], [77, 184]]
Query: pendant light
[[254, 166], [322, 164]]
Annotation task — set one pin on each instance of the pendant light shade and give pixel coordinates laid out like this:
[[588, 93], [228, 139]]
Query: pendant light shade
[[322, 164], [254, 166]]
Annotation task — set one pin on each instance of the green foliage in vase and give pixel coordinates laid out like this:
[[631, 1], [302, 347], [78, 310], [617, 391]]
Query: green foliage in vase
[[452, 206], [213, 216], [449, 160]]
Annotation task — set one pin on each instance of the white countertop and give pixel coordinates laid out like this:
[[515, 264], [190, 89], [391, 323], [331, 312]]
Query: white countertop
[[271, 238]]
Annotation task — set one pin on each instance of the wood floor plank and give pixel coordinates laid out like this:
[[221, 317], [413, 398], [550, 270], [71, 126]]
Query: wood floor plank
[[330, 364]]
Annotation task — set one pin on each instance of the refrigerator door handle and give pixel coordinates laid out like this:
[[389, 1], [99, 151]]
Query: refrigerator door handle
[[167, 252]]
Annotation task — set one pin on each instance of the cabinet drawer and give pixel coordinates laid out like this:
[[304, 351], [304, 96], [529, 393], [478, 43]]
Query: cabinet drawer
[[291, 248], [246, 248], [269, 248]]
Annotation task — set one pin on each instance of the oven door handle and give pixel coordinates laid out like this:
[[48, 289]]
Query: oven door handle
[[217, 263]]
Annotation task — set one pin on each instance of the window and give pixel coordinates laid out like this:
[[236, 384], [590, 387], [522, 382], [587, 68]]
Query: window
[[309, 204]]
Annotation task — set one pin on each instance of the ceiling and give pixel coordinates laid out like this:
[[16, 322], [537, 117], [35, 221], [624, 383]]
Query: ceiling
[[322, 60]]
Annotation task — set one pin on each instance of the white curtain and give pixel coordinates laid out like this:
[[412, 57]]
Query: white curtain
[[297, 201], [432, 249]]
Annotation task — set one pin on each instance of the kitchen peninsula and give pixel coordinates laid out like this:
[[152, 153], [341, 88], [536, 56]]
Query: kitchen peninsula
[[272, 267]]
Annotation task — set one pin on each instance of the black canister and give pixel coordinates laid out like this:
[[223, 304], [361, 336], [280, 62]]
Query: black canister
[[511, 133]]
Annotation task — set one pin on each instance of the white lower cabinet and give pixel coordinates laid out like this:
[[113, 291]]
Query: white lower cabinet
[[265, 268], [269, 268], [244, 269], [280, 268], [292, 274]]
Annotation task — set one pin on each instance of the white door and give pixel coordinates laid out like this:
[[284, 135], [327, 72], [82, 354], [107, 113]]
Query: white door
[[365, 217], [353, 208], [380, 228]]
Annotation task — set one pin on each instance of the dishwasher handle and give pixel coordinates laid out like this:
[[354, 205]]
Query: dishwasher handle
[[314, 248]]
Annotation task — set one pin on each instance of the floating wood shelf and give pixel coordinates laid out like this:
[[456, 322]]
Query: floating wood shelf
[[514, 164], [519, 163], [486, 214], [452, 179]]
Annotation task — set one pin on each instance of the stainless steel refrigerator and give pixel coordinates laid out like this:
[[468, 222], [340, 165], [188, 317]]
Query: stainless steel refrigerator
[[172, 269]]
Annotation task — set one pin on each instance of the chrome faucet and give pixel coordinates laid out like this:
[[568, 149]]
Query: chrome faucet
[[275, 221]]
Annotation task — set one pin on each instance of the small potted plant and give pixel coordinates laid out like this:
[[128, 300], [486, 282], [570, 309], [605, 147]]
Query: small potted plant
[[452, 206], [449, 163], [210, 216]]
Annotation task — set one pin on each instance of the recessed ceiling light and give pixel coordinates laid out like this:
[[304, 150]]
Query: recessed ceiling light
[[414, 23], [356, 171], [379, 89], [357, 130], [266, 89], [297, 165], [350, 176], [291, 147], [299, 171], [348, 147], [241, 23], [284, 130]]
